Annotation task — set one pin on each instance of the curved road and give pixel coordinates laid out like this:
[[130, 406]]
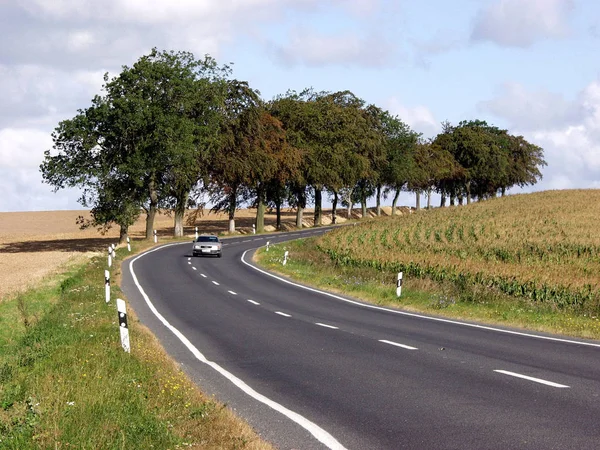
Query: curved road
[[310, 370]]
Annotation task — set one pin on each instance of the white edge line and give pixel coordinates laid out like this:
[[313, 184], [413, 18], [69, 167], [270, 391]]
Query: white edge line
[[319, 433], [232, 293], [253, 302], [407, 347], [404, 313], [282, 314], [536, 380], [326, 326]]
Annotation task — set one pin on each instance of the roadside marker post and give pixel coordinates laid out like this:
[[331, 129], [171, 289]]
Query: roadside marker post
[[114, 254], [155, 237], [128, 244], [285, 257], [399, 285], [267, 245], [253, 229], [107, 285], [122, 310], [196, 232]]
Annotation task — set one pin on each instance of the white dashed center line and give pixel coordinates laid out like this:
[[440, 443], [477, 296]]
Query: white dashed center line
[[407, 347], [535, 380], [253, 302], [282, 314], [202, 275], [327, 326], [194, 268], [232, 293], [215, 283]]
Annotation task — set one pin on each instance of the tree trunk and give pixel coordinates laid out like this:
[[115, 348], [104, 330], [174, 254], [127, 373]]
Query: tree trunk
[[395, 201], [232, 207], [151, 214], [179, 215], [278, 213], [260, 209], [460, 200], [418, 201], [318, 206], [452, 200], [428, 198], [334, 208], [443, 200], [363, 206], [123, 231], [350, 205], [301, 196], [468, 193], [503, 191]]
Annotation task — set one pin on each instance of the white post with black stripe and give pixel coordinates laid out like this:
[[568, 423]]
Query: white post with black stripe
[[109, 256], [112, 251], [155, 237], [267, 245], [107, 285], [123, 325], [285, 257], [128, 244], [253, 229], [196, 233], [399, 285]]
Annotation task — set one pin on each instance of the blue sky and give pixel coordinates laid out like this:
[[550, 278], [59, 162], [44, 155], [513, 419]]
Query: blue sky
[[527, 65]]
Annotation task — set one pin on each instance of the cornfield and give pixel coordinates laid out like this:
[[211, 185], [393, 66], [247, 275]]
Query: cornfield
[[543, 246]]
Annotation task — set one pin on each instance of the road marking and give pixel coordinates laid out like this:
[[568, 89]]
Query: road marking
[[189, 263], [189, 259], [318, 433], [247, 240], [232, 293], [282, 314], [215, 283], [194, 268], [408, 314], [536, 380], [253, 302], [202, 275], [259, 239], [407, 347], [327, 326]]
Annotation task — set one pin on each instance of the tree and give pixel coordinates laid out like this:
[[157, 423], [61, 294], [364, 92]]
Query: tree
[[167, 105]]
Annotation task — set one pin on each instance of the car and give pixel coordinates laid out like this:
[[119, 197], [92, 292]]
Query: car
[[207, 244]]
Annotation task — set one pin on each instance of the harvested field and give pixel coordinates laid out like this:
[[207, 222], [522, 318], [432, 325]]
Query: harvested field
[[36, 244]]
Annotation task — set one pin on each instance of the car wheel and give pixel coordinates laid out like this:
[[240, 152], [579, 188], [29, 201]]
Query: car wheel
[[219, 255]]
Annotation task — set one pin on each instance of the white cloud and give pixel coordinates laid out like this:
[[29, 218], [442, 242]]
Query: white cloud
[[530, 110], [314, 48], [568, 131], [419, 118], [520, 23]]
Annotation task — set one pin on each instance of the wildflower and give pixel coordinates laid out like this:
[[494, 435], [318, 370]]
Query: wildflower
[[71, 403]]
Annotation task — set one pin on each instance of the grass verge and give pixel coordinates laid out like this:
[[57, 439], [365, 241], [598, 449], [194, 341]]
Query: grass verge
[[65, 381], [308, 265]]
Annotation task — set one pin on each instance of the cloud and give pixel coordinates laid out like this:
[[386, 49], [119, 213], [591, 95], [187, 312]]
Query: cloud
[[520, 23], [568, 131], [419, 118], [532, 110], [317, 49]]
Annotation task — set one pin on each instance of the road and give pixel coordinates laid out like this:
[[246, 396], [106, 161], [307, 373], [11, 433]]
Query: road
[[309, 370]]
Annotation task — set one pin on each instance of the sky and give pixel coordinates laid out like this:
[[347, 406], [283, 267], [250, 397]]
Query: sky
[[530, 66]]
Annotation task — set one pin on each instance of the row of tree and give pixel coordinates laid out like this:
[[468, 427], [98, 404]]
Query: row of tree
[[171, 129]]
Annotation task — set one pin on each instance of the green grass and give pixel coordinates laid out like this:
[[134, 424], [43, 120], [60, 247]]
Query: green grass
[[65, 381], [308, 265]]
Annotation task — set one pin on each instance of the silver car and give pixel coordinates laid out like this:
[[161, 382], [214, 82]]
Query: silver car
[[207, 244]]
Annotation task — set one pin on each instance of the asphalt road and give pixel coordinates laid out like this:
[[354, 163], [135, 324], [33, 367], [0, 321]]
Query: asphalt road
[[309, 370]]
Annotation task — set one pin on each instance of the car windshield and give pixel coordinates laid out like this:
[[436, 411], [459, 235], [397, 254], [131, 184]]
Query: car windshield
[[207, 239]]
